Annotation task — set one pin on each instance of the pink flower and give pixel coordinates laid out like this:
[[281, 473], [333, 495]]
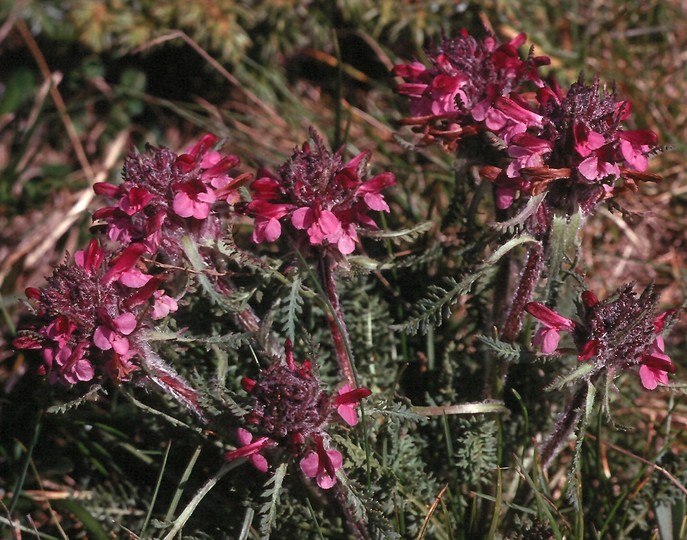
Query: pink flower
[[615, 334], [527, 151], [60, 330], [347, 401], [163, 305], [89, 312], [320, 195], [634, 147], [291, 408], [251, 449], [111, 335], [509, 116], [70, 364], [656, 365], [322, 465], [193, 199], [165, 195], [460, 92], [547, 337]]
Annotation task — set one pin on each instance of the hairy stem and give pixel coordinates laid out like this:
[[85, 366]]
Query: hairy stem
[[337, 326], [565, 424], [167, 378], [523, 293]]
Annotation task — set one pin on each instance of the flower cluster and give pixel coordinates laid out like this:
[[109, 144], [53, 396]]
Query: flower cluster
[[617, 333], [89, 312], [569, 144], [320, 195], [471, 85], [578, 153], [292, 410], [164, 195]]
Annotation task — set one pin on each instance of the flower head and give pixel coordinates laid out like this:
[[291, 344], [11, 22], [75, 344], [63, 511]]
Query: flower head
[[291, 409], [579, 154], [470, 84], [317, 193], [617, 333], [88, 314], [164, 195]]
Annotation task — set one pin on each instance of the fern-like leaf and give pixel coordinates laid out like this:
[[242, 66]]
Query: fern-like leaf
[[519, 219], [93, 394], [225, 341], [409, 234], [396, 409], [269, 509], [293, 308], [509, 352], [436, 305]]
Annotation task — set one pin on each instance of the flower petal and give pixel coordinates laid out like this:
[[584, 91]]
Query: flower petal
[[310, 464]]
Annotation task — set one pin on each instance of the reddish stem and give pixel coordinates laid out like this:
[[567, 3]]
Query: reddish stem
[[523, 293], [337, 326]]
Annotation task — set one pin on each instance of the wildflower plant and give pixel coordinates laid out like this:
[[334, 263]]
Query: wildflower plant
[[345, 367]]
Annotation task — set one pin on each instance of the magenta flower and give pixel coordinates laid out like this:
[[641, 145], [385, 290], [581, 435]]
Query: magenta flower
[[315, 192], [616, 334], [163, 305], [547, 337], [88, 313], [164, 196], [579, 154], [322, 465], [656, 365], [470, 84], [70, 365], [251, 449], [292, 410], [347, 401]]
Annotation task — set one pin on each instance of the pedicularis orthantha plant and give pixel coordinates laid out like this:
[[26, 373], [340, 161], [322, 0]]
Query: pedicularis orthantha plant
[[253, 300]]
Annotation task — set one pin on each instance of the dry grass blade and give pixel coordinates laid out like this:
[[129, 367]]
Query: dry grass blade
[[42, 240]]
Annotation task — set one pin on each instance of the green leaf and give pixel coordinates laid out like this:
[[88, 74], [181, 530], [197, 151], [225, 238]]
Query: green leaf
[[401, 235], [269, 509], [20, 87], [510, 352], [91, 524]]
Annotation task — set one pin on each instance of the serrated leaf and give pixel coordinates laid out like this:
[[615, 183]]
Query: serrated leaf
[[436, 305], [231, 340], [409, 234], [510, 352], [268, 510], [530, 208], [93, 394], [294, 307], [235, 303], [580, 372], [505, 248], [397, 410], [431, 310]]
